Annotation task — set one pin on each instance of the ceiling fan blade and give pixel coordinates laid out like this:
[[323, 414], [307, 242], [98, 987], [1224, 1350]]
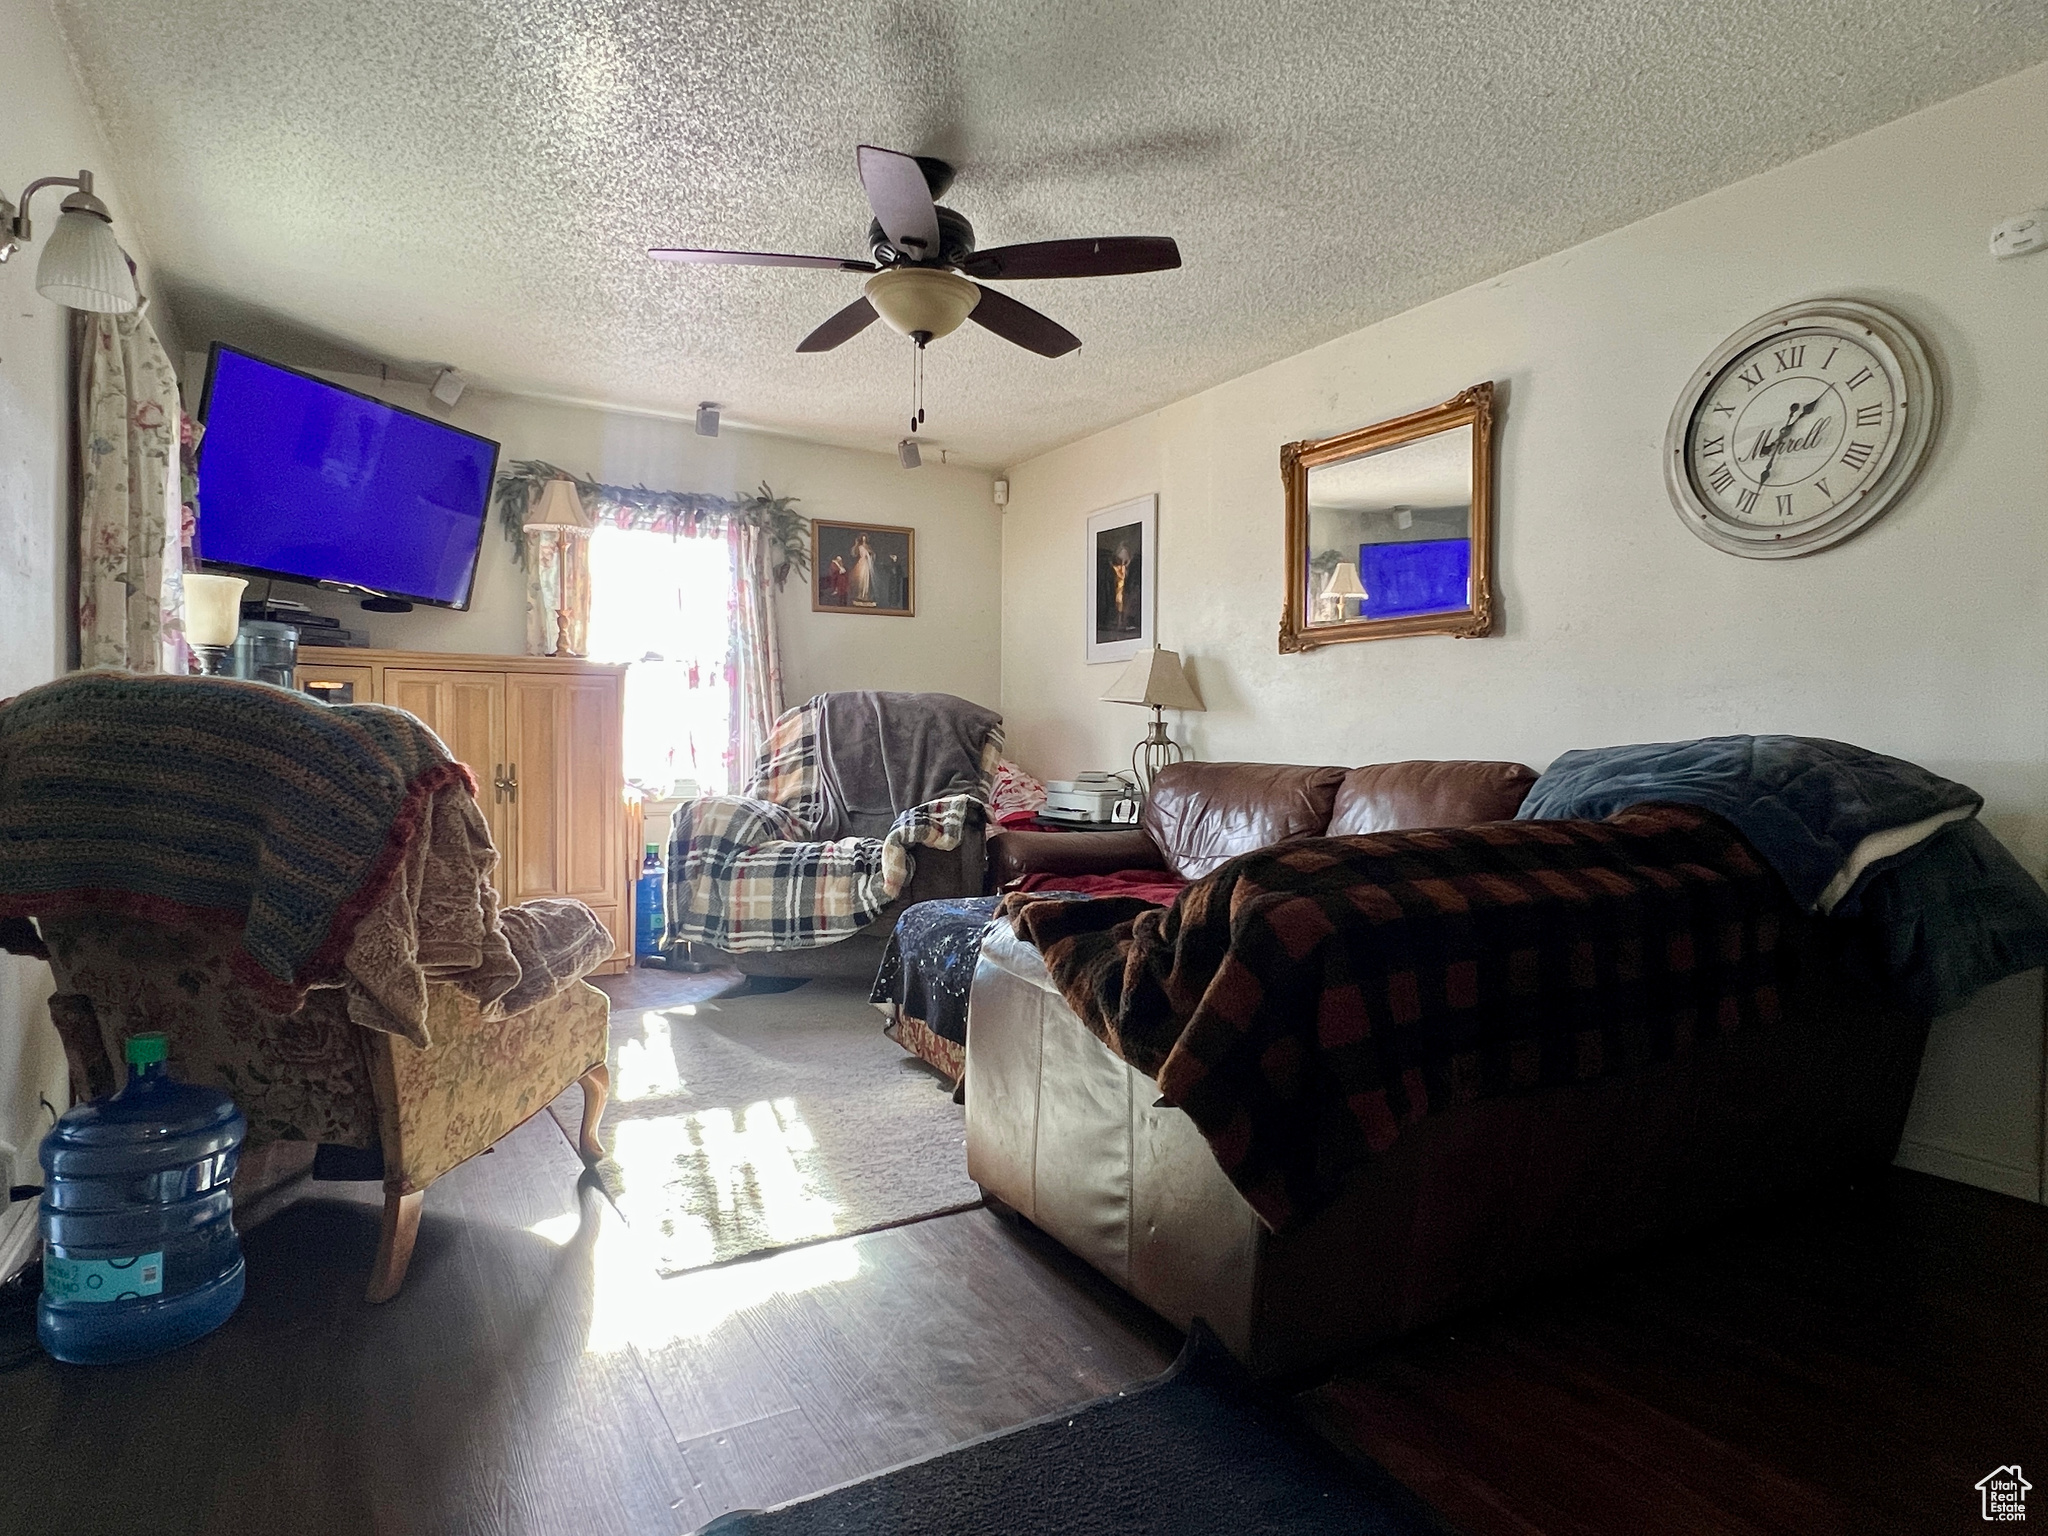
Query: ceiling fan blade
[[1022, 324], [761, 259], [844, 326], [902, 201], [1112, 257]]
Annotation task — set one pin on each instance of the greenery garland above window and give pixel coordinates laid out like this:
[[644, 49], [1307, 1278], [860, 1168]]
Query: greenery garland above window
[[519, 488]]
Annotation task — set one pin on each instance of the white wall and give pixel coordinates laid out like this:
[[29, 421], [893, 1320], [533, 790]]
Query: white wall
[[951, 646], [1926, 636], [45, 130]]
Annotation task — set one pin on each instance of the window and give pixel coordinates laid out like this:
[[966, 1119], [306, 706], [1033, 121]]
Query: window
[[661, 603]]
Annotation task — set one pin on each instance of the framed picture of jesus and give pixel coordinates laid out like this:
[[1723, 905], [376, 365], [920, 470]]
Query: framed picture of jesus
[[1122, 585], [863, 568]]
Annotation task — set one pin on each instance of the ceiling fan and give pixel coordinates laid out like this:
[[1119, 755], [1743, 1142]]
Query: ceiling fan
[[920, 252]]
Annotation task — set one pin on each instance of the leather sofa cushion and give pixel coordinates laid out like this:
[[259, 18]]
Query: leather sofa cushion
[[1399, 797], [1201, 814]]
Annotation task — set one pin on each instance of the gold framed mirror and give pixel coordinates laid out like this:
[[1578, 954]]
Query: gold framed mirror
[[1390, 528]]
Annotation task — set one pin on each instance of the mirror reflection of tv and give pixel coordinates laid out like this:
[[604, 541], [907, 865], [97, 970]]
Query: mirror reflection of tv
[[305, 480]]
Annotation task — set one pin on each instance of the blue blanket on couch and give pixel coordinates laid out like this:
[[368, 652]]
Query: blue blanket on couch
[[1802, 802], [1953, 912]]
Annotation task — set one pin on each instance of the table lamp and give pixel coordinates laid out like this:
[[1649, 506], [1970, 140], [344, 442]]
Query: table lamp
[[213, 616], [1154, 677], [559, 517], [1344, 586]]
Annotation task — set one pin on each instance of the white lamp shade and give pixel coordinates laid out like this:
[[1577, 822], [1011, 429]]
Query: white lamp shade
[[1344, 581], [559, 507], [82, 266], [213, 608], [1154, 676], [913, 299]]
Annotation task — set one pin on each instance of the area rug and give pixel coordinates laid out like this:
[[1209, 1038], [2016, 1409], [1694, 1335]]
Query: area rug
[[1196, 1452], [744, 1123]]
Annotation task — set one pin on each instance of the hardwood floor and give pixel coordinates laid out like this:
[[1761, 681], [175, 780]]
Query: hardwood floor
[[536, 1375], [1853, 1365]]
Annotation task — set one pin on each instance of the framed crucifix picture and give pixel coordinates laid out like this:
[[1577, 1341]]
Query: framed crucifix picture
[[863, 568], [1122, 583]]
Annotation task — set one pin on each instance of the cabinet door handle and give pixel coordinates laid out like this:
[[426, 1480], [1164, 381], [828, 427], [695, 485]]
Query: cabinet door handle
[[497, 783], [512, 784]]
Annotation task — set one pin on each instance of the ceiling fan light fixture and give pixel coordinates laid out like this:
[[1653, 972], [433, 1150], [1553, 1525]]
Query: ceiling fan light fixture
[[914, 299]]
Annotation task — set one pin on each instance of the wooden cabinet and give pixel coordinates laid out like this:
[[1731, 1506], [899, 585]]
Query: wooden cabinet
[[568, 822], [467, 711], [542, 736]]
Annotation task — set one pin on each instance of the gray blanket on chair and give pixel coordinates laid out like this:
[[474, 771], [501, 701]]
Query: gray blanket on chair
[[879, 754]]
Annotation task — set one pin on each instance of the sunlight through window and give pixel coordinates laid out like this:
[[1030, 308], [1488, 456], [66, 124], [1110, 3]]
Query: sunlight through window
[[661, 604], [647, 1066], [746, 1173], [633, 1307]]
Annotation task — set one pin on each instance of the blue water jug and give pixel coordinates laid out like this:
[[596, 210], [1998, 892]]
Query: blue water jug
[[650, 910], [139, 1246]]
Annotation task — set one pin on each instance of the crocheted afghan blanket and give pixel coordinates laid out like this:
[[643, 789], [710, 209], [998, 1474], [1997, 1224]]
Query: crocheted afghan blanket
[[223, 803]]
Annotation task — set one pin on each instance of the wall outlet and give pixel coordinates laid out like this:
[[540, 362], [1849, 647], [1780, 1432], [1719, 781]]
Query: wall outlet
[[2021, 233]]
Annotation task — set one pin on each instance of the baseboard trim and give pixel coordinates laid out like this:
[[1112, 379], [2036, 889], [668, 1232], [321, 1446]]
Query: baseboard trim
[[1964, 1168], [19, 1235]]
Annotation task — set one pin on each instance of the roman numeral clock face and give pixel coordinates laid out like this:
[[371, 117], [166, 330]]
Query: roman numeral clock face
[[1800, 430]]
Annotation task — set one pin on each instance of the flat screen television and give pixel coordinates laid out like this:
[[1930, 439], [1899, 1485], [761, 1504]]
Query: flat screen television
[[303, 479]]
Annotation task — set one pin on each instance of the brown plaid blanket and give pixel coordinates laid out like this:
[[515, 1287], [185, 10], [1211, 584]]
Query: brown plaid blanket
[[1303, 1003]]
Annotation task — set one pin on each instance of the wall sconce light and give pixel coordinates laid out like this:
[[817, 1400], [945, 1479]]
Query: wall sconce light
[[213, 617], [82, 265]]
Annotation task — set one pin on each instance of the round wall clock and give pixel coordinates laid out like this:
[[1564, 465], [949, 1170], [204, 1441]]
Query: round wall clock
[[1801, 429]]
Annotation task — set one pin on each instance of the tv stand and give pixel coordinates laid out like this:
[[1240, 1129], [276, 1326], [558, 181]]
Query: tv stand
[[385, 605]]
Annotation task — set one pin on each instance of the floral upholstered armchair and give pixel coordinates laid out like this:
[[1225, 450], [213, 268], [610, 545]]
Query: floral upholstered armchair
[[315, 1077], [301, 898]]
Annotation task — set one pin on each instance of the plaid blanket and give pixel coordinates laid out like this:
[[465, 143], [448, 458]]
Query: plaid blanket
[[744, 872], [1304, 1003]]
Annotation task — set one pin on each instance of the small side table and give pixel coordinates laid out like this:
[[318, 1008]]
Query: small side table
[[1046, 824]]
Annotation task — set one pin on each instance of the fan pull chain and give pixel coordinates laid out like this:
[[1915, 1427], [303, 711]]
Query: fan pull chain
[[917, 386]]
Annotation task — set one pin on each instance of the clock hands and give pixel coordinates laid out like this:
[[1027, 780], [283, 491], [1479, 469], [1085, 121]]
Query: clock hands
[[1793, 417]]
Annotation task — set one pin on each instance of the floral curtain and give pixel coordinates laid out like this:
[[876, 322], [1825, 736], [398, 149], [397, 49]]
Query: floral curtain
[[128, 461], [176, 651], [557, 591], [755, 665]]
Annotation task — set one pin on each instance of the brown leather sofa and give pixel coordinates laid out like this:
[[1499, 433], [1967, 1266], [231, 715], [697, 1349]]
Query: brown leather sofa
[[1466, 1205]]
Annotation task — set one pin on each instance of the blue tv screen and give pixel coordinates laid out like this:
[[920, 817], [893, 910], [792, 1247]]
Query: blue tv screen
[[304, 479]]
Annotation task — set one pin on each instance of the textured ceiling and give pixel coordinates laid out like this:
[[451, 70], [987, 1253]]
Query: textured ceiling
[[474, 182]]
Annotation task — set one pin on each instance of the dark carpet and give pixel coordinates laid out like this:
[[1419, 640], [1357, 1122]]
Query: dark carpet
[[1196, 1452]]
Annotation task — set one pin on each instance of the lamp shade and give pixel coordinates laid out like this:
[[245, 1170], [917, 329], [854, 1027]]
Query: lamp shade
[[1154, 677], [213, 608], [82, 266], [560, 507], [1344, 581], [922, 299]]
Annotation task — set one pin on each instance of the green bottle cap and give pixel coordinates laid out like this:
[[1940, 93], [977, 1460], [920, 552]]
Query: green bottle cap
[[146, 1050]]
